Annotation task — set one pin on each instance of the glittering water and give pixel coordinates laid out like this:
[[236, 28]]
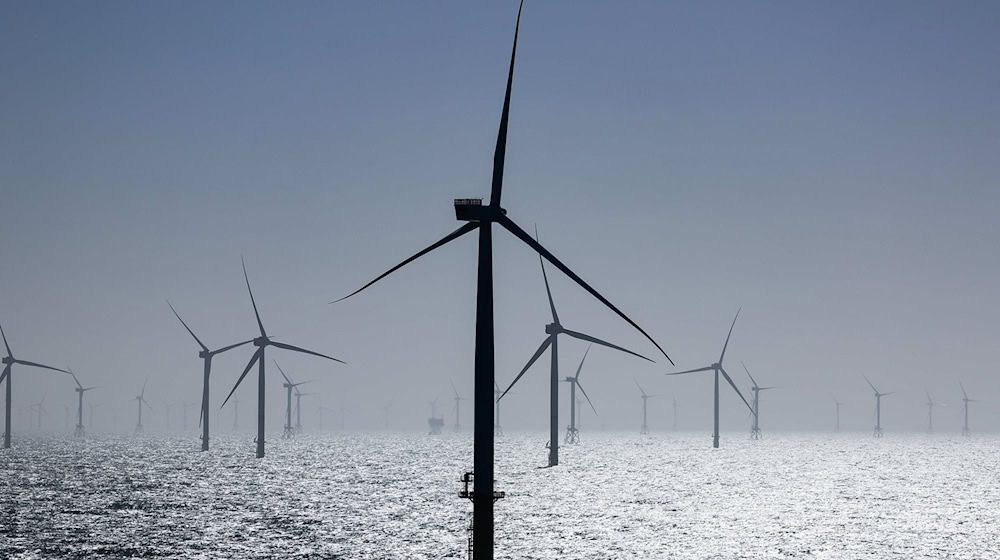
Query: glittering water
[[394, 495]]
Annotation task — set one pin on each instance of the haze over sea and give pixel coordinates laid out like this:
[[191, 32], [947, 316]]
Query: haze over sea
[[394, 495]]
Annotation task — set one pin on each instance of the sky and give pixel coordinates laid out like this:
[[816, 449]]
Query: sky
[[830, 168]]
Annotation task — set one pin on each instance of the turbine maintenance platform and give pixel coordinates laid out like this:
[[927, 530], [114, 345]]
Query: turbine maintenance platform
[[467, 479]]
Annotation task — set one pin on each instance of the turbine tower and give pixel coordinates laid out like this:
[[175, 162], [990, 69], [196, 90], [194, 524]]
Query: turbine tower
[[878, 408], [289, 385], [645, 427], [298, 409], [8, 373], [206, 355], [481, 219], [497, 430], [573, 432], [838, 404], [553, 330], [80, 390], [931, 403], [755, 432], [140, 400], [262, 342], [458, 406], [717, 368], [965, 402]]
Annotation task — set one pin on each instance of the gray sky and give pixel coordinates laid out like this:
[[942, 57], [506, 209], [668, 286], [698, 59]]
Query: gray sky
[[831, 168]]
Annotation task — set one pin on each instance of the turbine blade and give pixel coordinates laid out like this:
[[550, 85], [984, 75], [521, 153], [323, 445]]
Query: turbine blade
[[77, 381], [724, 346], [552, 304], [3, 375], [510, 226], [706, 368], [501, 148], [589, 338], [283, 374], [870, 383], [304, 351], [9, 353], [446, 239], [541, 349], [964, 394], [253, 360], [254, 302], [196, 339], [887, 394], [204, 410], [586, 396], [143, 401], [735, 388], [453, 389], [748, 373], [765, 388], [27, 363], [580, 367], [143, 393], [230, 347], [641, 390]]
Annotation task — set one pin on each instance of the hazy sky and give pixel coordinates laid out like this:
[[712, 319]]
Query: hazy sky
[[830, 167]]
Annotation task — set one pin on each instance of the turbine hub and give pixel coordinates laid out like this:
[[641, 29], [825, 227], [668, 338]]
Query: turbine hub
[[204, 354], [8, 360], [260, 341], [553, 328], [716, 365]]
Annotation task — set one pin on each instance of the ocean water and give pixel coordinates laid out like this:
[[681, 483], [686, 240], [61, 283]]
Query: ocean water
[[371, 495]]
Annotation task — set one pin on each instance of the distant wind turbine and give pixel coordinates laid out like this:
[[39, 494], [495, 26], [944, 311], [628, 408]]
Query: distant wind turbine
[[497, 430], [838, 404], [573, 432], [645, 397], [80, 390], [717, 368], [553, 330], [140, 400], [298, 409], [481, 218], [206, 355], [458, 406], [931, 403], [8, 373], [289, 385], [39, 409], [262, 342], [755, 432], [965, 402], [878, 407]]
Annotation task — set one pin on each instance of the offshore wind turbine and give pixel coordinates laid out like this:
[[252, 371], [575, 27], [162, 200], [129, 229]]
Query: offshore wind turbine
[[755, 432], [645, 397], [8, 372], [458, 406], [80, 390], [481, 219], [965, 402], [572, 432], [140, 400], [878, 407], [717, 368], [289, 385], [553, 330], [39, 409], [262, 342], [931, 403], [298, 409], [497, 430], [838, 404], [206, 355], [434, 423]]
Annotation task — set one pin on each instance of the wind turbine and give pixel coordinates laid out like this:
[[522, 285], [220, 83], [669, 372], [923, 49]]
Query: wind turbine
[[289, 385], [838, 404], [497, 430], [262, 342], [458, 406], [878, 407], [965, 401], [140, 400], [481, 218], [39, 408], [572, 432], [717, 368], [755, 430], [553, 330], [206, 355], [8, 373], [931, 403], [80, 390], [298, 409], [434, 423], [645, 397]]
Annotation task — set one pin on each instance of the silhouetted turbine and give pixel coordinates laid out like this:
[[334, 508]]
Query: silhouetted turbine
[[206, 355], [458, 406], [288, 385], [965, 402], [80, 390], [931, 403], [8, 373], [553, 330], [434, 424], [717, 368], [481, 219], [262, 342], [573, 432], [645, 427], [140, 400], [755, 429], [39, 408], [878, 407]]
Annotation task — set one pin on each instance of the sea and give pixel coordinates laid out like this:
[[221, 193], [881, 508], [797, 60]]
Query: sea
[[389, 495]]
